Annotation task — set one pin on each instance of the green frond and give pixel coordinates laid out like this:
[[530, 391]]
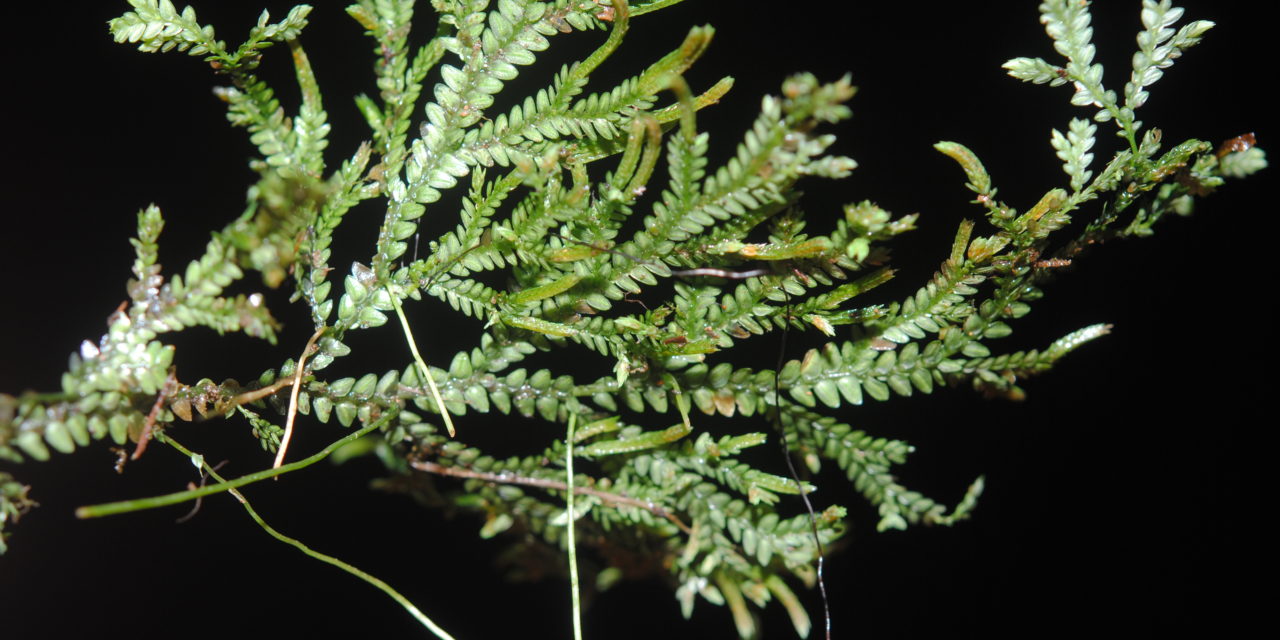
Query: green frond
[[264, 431], [979, 180], [867, 462], [468, 248], [1073, 150], [998, 375], [715, 462], [156, 25], [653, 275], [942, 302], [468, 296], [775, 152], [311, 126], [551, 114], [266, 33], [348, 189], [835, 374], [91, 404], [150, 224], [1158, 46], [1068, 24], [1241, 164], [399, 76], [490, 57]]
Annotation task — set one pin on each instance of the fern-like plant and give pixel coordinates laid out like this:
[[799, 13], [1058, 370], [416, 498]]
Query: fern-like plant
[[587, 216]]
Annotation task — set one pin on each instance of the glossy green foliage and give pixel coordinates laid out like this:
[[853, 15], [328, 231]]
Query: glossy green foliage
[[575, 198]]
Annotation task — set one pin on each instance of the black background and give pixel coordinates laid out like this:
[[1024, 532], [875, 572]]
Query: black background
[[1122, 496]]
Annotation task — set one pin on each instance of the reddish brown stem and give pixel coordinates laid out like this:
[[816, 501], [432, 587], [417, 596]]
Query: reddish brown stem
[[169, 383], [506, 478], [293, 398]]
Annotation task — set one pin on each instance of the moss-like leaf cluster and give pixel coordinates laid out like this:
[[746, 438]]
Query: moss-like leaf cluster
[[573, 200]]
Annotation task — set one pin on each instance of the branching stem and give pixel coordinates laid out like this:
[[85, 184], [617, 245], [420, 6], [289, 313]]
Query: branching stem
[[382, 586], [140, 504]]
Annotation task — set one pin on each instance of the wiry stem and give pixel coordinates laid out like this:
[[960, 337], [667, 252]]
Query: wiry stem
[[570, 527], [126, 506], [422, 365], [328, 559]]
